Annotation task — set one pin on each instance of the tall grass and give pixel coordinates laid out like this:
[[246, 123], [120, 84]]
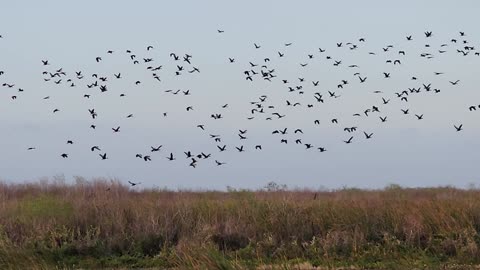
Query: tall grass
[[103, 223]]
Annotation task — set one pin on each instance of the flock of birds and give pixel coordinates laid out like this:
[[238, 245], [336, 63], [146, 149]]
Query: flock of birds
[[260, 108]]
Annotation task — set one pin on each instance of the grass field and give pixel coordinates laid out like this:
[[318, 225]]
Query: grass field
[[105, 224]]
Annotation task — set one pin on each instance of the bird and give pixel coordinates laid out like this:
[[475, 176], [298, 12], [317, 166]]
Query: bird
[[155, 149], [455, 82], [458, 128], [133, 183], [368, 136], [419, 117], [349, 140]]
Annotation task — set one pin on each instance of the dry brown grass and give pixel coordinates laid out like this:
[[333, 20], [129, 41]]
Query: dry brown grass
[[105, 223]]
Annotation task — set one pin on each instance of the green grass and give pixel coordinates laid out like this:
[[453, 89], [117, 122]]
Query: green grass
[[103, 224]]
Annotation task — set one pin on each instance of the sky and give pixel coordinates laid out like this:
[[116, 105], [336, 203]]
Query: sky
[[403, 150]]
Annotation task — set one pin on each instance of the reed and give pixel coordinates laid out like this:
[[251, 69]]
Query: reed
[[104, 223]]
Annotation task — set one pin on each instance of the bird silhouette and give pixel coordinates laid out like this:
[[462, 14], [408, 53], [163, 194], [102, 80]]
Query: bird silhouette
[[156, 149], [368, 136], [170, 157], [133, 183], [219, 163], [455, 82]]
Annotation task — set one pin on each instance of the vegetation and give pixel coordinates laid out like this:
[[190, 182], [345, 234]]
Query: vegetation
[[105, 224]]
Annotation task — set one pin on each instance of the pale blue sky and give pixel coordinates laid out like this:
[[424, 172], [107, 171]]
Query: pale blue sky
[[403, 150]]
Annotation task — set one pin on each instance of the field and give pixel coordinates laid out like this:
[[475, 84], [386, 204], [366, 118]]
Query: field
[[106, 224]]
